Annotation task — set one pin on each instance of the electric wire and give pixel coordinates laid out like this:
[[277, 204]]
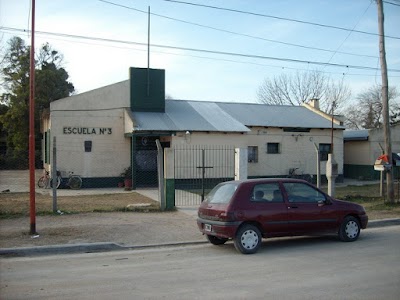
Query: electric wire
[[391, 3], [291, 60], [226, 60], [278, 18], [237, 33], [348, 35]]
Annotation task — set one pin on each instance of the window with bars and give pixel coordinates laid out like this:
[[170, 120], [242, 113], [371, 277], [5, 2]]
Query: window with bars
[[273, 148], [252, 154], [324, 150]]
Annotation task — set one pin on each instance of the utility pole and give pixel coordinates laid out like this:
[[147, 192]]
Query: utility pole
[[32, 210], [385, 101]]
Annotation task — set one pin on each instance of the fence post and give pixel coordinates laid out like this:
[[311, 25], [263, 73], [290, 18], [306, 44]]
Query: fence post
[[318, 166], [54, 175], [203, 172], [241, 160], [160, 172], [169, 178]]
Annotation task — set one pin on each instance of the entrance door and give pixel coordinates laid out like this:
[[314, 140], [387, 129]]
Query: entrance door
[[145, 161]]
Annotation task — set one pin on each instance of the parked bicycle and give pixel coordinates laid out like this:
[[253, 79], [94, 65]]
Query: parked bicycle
[[45, 181], [293, 173], [74, 182]]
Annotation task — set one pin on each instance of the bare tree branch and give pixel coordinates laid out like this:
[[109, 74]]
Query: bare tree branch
[[301, 88], [367, 112]]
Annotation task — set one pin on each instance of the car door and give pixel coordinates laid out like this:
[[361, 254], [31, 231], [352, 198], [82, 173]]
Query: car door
[[308, 210], [271, 212]]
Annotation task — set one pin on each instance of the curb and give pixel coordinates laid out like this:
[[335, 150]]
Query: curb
[[58, 249], [83, 248], [104, 247], [383, 223]]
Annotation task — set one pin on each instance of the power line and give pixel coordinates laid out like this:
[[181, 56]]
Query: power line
[[228, 60], [237, 33], [290, 60], [279, 18], [225, 60], [348, 35], [388, 2]]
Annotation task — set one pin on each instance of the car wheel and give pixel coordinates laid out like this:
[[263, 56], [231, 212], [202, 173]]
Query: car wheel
[[248, 239], [349, 229], [216, 240]]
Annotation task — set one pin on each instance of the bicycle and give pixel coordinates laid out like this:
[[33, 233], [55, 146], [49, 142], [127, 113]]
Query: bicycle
[[74, 181], [45, 181], [293, 174]]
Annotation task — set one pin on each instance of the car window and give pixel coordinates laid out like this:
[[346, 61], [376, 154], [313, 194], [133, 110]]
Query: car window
[[222, 193], [300, 192], [267, 192]]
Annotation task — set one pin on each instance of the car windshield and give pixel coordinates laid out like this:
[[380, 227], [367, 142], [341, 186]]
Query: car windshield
[[222, 193]]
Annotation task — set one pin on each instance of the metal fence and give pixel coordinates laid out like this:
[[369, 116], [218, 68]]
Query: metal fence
[[198, 169]]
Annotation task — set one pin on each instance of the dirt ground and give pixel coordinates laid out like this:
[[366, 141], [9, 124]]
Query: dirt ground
[[125, 228], [91, 225]]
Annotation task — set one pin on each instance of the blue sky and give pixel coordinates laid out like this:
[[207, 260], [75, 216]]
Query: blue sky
[[205, 76]]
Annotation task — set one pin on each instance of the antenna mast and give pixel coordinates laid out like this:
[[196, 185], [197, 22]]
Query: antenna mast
[[148, 53]]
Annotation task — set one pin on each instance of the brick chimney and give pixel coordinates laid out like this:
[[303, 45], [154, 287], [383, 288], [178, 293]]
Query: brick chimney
[[314, 103]]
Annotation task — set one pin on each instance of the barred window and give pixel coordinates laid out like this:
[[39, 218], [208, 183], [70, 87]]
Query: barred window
[[324, 150], [273, 148], [253, 154]]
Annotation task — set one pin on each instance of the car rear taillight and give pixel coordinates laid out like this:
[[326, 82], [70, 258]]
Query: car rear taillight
[[227, 216]]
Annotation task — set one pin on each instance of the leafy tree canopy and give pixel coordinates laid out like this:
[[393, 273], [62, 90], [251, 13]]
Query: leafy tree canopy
[[51, 83]]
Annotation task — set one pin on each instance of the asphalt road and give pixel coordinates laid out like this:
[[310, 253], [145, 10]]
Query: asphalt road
[[288, 268]]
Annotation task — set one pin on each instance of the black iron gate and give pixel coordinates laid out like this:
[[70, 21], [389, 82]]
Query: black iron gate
[[145, 173], [145, 161], [198, 169]]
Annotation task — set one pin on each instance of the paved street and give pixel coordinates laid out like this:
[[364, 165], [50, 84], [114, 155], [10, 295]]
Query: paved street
[[289, 268]]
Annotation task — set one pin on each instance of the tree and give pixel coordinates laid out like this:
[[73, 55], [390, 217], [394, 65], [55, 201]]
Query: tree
[[301, 88], [51, 84], [3, 134], [367, 112]]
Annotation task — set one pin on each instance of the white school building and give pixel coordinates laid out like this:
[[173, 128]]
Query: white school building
[[100, 133]]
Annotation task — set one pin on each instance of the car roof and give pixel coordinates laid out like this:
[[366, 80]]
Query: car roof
[[259, 180]]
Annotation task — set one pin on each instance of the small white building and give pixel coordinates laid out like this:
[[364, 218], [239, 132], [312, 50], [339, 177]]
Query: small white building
[[363, 147], [101, 132]]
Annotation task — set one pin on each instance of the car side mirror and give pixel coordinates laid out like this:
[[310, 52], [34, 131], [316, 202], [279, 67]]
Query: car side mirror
[[327, 201], [324, 202]]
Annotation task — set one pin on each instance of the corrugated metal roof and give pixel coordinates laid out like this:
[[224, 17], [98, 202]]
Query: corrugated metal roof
[[276, 115], [356, 135], [182, 115], [188, 115]]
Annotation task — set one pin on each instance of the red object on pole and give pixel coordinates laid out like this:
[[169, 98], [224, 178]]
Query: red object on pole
[[384, 158], [32, 127]]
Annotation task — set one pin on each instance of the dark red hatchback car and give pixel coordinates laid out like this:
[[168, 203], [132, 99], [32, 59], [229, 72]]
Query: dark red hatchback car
[[247, 211]]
